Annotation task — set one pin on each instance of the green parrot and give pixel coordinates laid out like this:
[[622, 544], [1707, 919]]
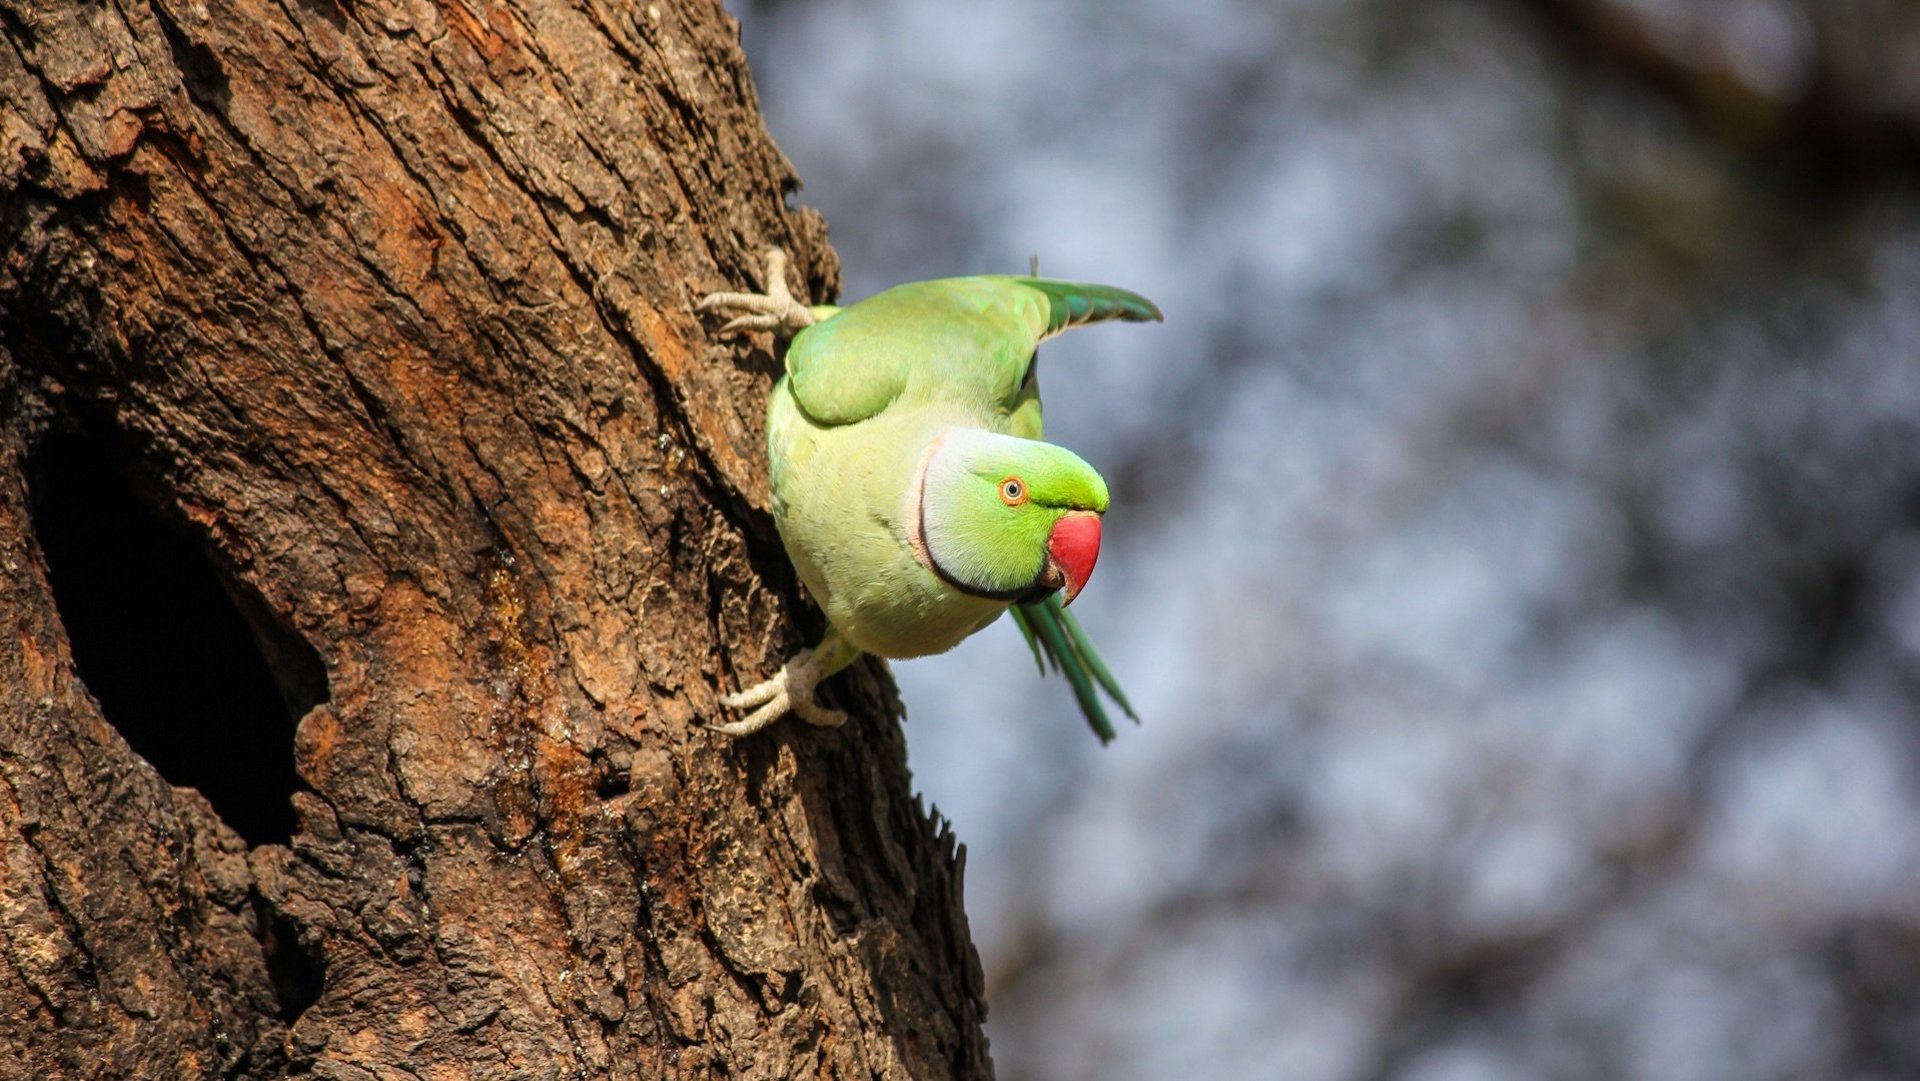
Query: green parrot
[[910, 485]]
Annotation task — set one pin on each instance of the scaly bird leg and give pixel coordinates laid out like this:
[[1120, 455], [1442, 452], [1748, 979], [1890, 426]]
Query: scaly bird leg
[[774, 310], [791, 689]]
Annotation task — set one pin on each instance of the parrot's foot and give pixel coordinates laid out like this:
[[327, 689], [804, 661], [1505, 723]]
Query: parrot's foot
[[774, 310], [791, 689]]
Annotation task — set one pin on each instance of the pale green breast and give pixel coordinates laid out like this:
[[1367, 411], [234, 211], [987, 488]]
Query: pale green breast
[[841, 502]]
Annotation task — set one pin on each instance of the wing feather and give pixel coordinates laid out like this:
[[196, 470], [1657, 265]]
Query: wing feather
[[964, 340]]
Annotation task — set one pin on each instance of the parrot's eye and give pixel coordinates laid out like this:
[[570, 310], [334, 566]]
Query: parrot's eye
[[1013, 491]]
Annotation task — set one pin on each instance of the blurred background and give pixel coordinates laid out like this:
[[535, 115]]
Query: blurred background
[[1515, 545]]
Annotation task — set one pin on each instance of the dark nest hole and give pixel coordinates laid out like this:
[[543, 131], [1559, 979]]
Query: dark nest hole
[[186, 662]]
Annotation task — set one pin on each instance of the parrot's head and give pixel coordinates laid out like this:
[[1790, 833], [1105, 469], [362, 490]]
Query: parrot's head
[[1006, 518]]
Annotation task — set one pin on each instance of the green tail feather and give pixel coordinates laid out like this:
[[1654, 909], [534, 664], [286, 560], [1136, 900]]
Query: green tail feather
[[1073, 304], [1055, 635]]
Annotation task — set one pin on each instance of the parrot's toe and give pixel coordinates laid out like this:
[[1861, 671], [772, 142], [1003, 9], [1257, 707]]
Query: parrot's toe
[[813, 712], [775, 310], [758, 694], [791, 689], [769, 712]]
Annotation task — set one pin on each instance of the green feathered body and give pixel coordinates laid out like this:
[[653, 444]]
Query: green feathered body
[[868, 388], [840, 500], [866, 391]]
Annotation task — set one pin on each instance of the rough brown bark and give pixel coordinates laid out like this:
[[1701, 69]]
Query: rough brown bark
[[386, 306]]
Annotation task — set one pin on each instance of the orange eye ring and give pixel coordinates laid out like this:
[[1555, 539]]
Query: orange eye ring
[[1013, 491]]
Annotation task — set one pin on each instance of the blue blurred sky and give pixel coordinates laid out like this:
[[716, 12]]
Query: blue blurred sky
[[1513, 553]]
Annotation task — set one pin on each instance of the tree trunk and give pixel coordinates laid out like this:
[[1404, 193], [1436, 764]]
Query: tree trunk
[[360, 452]]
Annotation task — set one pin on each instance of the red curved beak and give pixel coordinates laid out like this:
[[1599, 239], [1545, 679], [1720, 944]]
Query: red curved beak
[[1072, 550]]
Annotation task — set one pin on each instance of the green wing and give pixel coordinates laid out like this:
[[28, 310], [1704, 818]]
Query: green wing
[[970, 341], [1077, 304], [1052, 631]]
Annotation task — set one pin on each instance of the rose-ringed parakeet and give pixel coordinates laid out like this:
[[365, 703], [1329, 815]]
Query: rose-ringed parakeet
[[910, 485]]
